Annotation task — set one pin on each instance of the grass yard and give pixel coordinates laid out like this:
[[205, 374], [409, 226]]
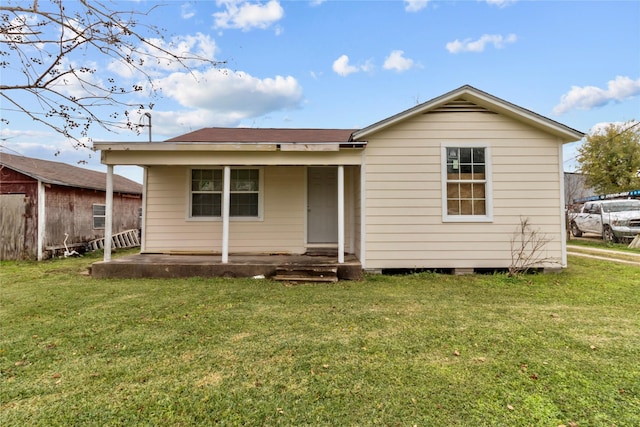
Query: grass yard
[[423, 349], [599, 244]]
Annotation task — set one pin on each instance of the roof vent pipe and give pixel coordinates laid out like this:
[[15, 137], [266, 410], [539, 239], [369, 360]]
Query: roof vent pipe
[[149, 117]]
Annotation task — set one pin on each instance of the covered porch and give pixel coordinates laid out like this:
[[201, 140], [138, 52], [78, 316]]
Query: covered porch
[[267, 265], [243, 209]]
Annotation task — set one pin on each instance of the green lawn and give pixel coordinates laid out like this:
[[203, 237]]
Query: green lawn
[[423, 349], [599, 244]]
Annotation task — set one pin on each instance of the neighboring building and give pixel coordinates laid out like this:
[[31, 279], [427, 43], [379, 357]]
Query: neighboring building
[[42, 201], [577, 192], [575, 188], [442, 185]]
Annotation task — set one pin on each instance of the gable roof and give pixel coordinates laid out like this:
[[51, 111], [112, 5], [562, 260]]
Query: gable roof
[[269, 135], [66, 175], [468, 94]]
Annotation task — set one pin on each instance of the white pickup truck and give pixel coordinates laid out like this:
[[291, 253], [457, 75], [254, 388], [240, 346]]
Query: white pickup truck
[[614, 220]]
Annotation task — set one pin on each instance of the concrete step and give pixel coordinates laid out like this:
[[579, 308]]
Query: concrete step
[[303, 273]]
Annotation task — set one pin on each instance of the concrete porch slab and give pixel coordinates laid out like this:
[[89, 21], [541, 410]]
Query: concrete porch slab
[[174, 266]]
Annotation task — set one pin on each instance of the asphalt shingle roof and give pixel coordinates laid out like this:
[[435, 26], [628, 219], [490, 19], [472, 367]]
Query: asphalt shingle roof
[[265, 135], [67, 175]]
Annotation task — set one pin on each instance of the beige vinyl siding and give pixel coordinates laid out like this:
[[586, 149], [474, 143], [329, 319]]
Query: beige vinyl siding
[[281, 230], [404, 221]]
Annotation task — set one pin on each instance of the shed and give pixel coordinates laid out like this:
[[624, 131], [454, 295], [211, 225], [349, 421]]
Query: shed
[[43, 202]]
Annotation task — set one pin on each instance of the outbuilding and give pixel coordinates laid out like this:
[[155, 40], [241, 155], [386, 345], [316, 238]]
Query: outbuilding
[[44, 204]]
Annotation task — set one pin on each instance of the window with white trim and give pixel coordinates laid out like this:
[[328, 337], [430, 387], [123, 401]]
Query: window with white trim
[[466, 192], [99, 216], [207, 187]]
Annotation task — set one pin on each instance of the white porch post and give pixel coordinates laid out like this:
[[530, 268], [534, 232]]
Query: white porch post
[[225, 213], [42, 223], [340, 214], [143, 222], [108, 220], [352, 211], [363, 212]]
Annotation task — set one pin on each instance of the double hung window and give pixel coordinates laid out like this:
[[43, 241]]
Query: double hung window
[[99, 216], [207, 187], [466, 192]]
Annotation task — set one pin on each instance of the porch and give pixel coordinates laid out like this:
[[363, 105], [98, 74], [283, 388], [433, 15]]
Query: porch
[[175, 266]]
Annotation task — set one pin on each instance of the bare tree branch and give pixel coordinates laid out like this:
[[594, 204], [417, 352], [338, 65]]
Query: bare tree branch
[[51, 47], [528, 249]]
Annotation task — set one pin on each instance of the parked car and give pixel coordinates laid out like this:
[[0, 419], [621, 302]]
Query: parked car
[[614, 220]]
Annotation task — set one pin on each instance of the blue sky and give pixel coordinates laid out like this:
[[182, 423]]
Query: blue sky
[[348, 64]]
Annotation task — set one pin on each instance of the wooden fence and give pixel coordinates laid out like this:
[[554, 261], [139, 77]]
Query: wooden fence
[[14, 237]]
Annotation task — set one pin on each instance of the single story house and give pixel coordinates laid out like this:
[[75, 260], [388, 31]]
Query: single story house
[[42, 203], [442, 185]]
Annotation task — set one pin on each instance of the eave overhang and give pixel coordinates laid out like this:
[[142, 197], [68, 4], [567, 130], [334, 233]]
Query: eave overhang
[[232, 153], [227, 146]]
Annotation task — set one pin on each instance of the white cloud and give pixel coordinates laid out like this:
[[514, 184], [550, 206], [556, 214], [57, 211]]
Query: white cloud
[[225, 97], [367, 66], [21, 135], [245, 15], [396, 61], [315, 3], [156, 61], [469, 45], [47, 145], [601, 127], [501, 3], [173, 123], [22, 29], [342, 66], [186, 11], [588, 97], [415, 5], [80, 84]]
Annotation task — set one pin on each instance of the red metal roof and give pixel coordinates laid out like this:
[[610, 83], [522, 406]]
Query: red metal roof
[[67, 175], [265, 135]]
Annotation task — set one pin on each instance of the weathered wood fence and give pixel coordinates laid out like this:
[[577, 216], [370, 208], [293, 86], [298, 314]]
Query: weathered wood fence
[[15, 242]]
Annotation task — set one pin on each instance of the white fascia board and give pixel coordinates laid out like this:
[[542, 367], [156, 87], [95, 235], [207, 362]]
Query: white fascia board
[[390, 121], [492, 103], [184, 146], [303, 146], [483, 99]]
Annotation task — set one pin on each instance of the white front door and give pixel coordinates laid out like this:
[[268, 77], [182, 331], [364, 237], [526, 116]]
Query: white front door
[[322, 205]]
